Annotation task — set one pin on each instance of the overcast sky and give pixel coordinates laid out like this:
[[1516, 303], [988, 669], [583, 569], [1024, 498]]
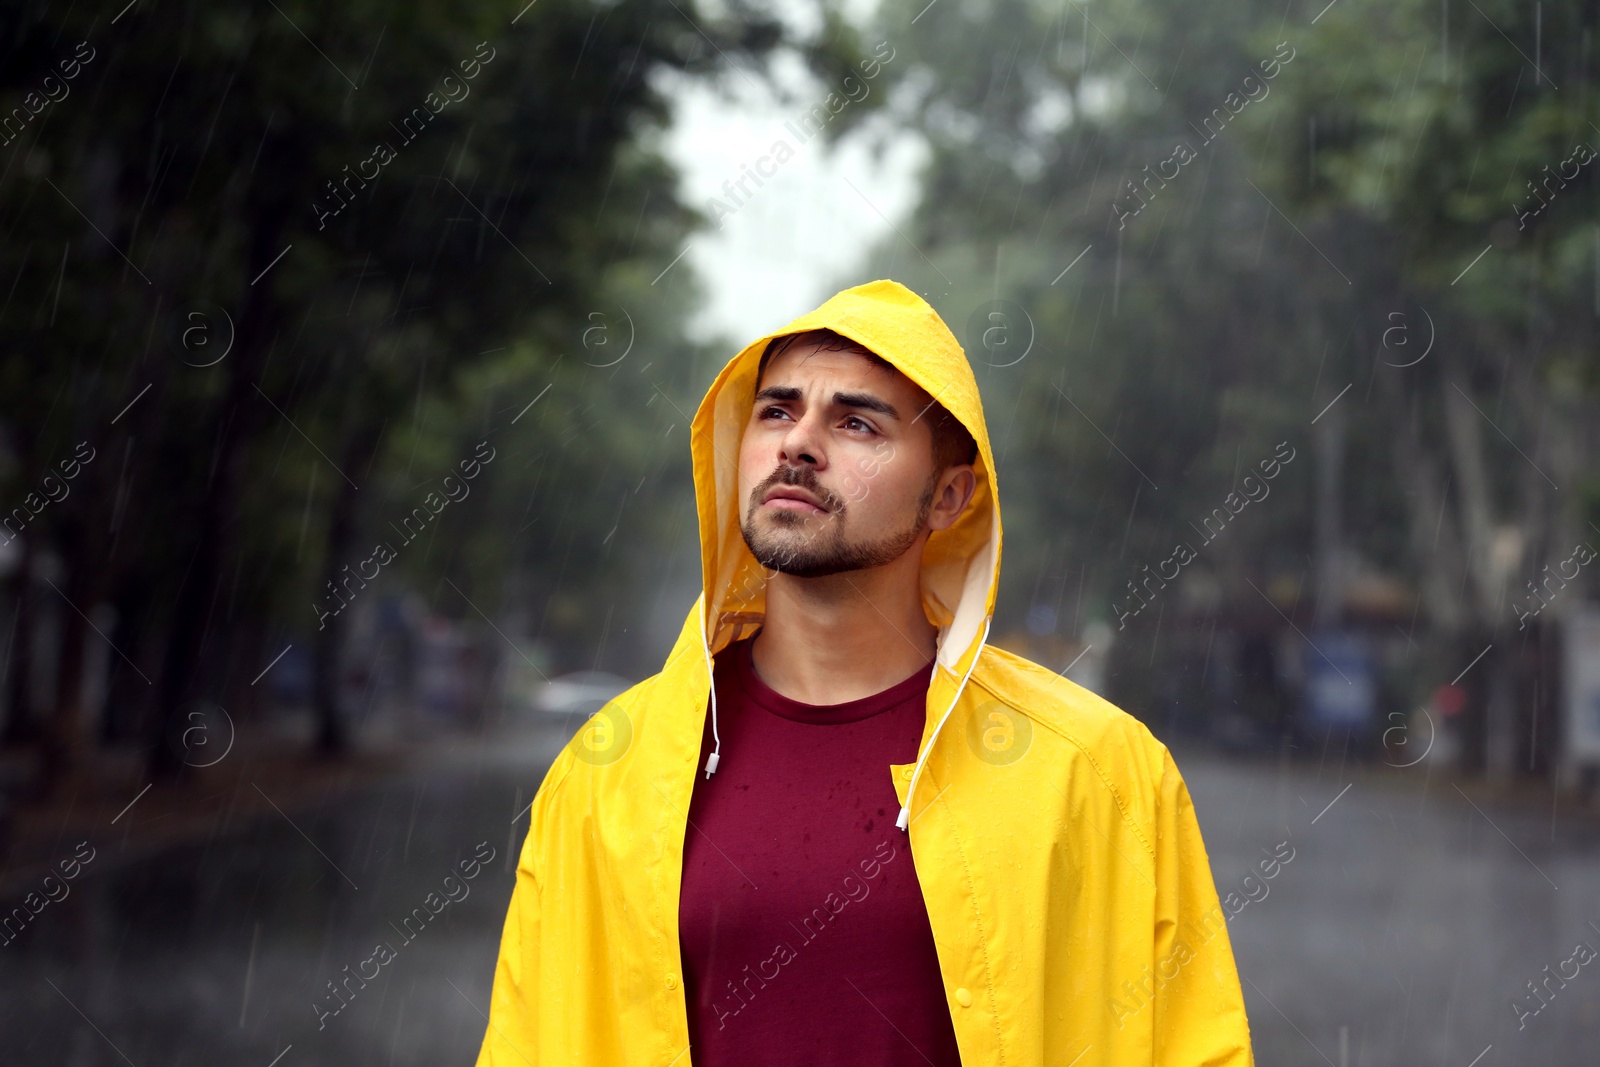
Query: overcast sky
[[780, 252]]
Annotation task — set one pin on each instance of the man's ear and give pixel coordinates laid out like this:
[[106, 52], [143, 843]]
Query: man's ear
[[951, 496]]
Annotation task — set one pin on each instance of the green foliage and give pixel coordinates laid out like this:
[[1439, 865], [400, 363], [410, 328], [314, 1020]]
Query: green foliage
[[396, 222], [1217, 312]]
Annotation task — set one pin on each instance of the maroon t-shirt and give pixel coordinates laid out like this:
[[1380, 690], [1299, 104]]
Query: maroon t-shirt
[[805, 939]]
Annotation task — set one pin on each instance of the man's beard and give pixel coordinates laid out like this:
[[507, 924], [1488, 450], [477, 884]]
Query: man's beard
[[817, 553]]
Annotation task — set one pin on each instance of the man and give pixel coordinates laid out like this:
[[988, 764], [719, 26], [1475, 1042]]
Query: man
[[838, 827]]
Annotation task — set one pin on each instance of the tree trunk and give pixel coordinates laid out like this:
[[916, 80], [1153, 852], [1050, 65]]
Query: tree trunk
[[21, 726], [1329, 441], [333, 732], [63, 750], [333, 736], [237, 420], [1500, 714], [1435, 547], [1464, 425]]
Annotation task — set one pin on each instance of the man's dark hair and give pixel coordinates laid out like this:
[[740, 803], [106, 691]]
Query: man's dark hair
[[952, 444]]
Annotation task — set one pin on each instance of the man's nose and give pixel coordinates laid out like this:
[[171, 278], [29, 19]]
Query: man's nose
[[803, 444]]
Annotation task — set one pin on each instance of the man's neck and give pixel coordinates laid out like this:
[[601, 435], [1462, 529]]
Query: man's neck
[[846, 636]]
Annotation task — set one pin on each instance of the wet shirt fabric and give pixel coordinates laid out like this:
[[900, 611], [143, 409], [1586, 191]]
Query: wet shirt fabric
[[805, 940]]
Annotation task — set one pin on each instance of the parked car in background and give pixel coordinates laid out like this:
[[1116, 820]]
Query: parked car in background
[[582, 692]]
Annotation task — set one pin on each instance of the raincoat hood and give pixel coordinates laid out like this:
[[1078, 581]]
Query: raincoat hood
[[960, 565]]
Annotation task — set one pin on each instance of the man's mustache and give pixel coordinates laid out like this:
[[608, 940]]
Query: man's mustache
[[802, 477]]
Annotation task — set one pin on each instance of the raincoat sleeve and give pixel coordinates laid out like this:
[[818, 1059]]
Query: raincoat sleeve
[[1199, 1007], [512, 1037]]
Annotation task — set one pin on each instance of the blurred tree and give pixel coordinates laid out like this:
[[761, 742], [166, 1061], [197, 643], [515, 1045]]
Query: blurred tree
[[249, 250], [1207, 220], [1464, 152]]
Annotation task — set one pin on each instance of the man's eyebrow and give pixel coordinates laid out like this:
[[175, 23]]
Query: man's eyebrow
[[867, 402], [864, 401]]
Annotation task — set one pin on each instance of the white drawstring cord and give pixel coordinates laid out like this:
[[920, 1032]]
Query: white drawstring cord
[[716, 752], [904, 819]]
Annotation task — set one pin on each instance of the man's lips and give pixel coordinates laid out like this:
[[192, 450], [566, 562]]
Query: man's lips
[[791, 499]]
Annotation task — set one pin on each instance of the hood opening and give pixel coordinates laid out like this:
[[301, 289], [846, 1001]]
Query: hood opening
[[960, 565]]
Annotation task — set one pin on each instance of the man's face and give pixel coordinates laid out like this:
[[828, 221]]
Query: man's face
[[836, 466]]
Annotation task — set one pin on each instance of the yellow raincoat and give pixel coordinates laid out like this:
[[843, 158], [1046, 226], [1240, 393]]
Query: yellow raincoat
[[1067, 886]]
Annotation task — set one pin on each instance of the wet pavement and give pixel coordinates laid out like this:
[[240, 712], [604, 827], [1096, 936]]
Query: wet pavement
[[1410, 920], [222, 952], [1402, 931]]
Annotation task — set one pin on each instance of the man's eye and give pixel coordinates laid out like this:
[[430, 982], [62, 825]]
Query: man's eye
[[855, 423], [773, 412]]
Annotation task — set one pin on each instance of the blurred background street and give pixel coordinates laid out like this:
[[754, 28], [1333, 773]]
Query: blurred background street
[[347, 358]]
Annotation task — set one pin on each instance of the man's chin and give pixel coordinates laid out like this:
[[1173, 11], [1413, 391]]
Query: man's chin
[[776, 554], [803, 567], [788, 546]]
